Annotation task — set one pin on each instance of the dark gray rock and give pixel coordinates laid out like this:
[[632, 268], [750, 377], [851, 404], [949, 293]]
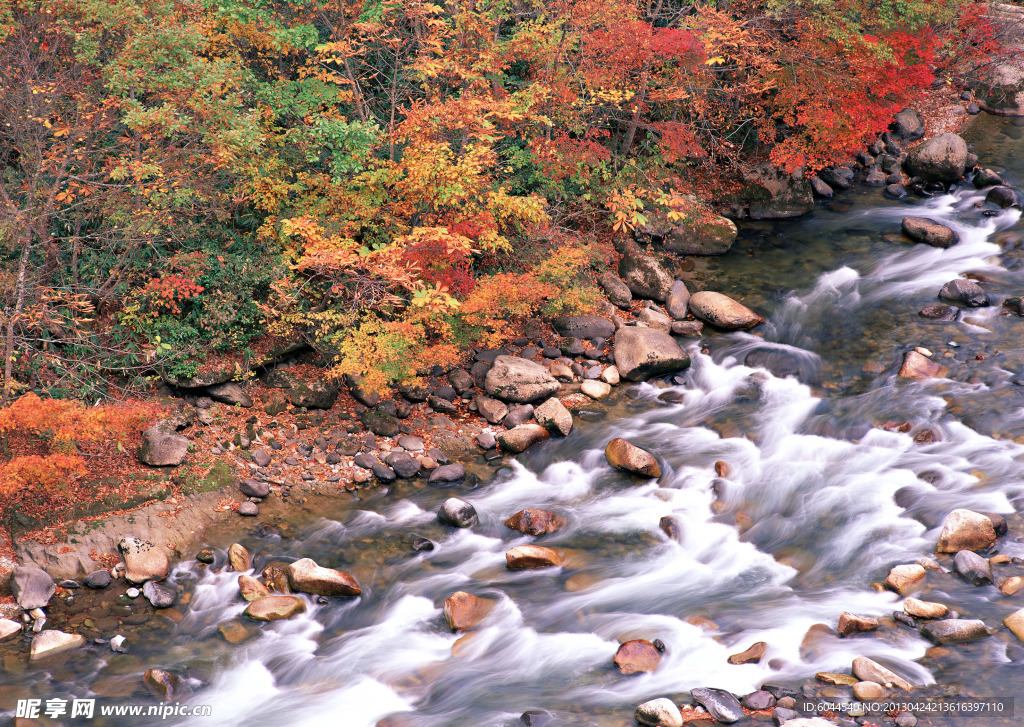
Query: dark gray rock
[[719, 703], [907, 125], [441, 405], [942, 158], [383, 473], [159, 595], [820, 188], [1003, 196], [97, 579], [381, 424], [32, 587], [896, 191], [644, 276], [517, 414], [457, 513], [404, 464], [617, 291], [955, 630], [366, 461], [587, 326], [461, 380], [837, 177], [254, 488], [942, 313], [447, 473], [759, 700], [230, 393], [964, 291], [975, 569]]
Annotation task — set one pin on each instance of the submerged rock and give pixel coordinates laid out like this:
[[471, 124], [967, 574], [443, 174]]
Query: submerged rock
[[975, 569], [919, 366], [463, 611], [275, 608], [964, 291], [637, 656]]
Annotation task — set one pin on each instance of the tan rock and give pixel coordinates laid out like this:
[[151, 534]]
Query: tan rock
[[535, 522], [234, 632], [595, 389], [723, 312], [464, 611], [531, 556], [871, 671], [49, 643], [868, 691], [8, 628], [162, 684], [1015, 622], [722, 469], [274, 608], [1012, 586], [916, 366], [305, 576], [239, 558], [519, 438], [850, 623], [628, 457], [553, 416], [839, 680], [251, 589], [924, 609], [275, 576], [965, 530], [143, 560], [561, 372], [637, 656], [611, 376], [752, 655], [904, 578]]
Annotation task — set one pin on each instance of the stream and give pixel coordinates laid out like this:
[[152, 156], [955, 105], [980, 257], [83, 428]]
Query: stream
[[818, 503]]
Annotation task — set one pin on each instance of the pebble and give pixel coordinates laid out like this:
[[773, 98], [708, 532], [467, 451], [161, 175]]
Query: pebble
[[133, 593]]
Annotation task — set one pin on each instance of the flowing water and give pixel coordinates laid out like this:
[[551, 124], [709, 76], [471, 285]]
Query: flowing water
[[818, 503]]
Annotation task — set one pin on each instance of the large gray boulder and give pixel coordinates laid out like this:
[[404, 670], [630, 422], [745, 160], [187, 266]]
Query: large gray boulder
[[229, 393], [1001, 87], [775, 195], [641, 353], [518, 379], [588, 326], [942, 158], [32, 587], [642, 274], [162, 446]]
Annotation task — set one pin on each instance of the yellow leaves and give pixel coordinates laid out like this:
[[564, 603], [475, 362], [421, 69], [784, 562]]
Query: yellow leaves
[[717, 60]]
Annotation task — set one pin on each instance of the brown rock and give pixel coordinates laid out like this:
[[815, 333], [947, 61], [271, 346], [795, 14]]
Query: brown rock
[[517, 439], [871, 671], [722, 469], [535, 522], [637, 656], [234, 632], [1015, 622], [924, 609], [918, 366], [274, 608], [463, 611], [163, 685], [144, 561], [868, 691], [239, 558], [305, 576], [275, 576], [628, 457], [752, 655], [723, 312], [904, 578], [554, 416], [851, 623], [839, 680], [531, 556], [251, 589], [1012, 586], [921, 229], [965, 530]]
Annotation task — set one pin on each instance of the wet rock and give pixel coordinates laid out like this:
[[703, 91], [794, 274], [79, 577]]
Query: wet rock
[[404, 464], [629, 458], [851, 623], [876, 178], [305, 576], [380, 423], [692, 329], [904, 578], [610, 376], [986, 178], [655, 319], [159, 595], [554, 417], [531, 556], [251, 589], [457, 513], [752, 655], [1012, 586], [234, 632], [587, 326], [447, 474], [97, 579], [248, 509], [491, 409], [723, 312], [895, 191], [275, 608], [254, 488], [641, 353], [924, 609], [535, 522], [161, 684], [942, 158], [930, 232], [837, 177], [780, 363], [463, 611], [275, 576], [868, 670], [1015, 622], [660, 712], [785, 715], [8, 628], [759, 700], [942, 313], [975, 569], [49, 643], [918, 366], [964, 291], [32, 587], [636, 657], [719, 703], [519, 438], [839, 680], [519, 380], [486, 440], [671, 527], [617, 291], [162, 446], [907, 125], [966, 530], [1003, 197], [143, 560], [595, 389], [906, 719], [644, 277], [868, 691], [820, 188], [230, 393], [383, 473], [954, 630]]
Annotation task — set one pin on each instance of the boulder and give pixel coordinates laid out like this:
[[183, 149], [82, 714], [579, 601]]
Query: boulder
[[678, 299], [965, 530], [641, 353], [380, 423], [698, 233], [611, 376], [1000, 90], [617, 291], [776, 195], [305, 576], [162, 446], [535, 522], [723, 312], [838, 177], [464, 611], [531, 556], [907, 126], [275, 608], [942, 158], [588, 326], [964, 291], [643, 275], [519, 438], [629, 458], [653, 318], [32, 587], [871, 671], [230, 393], [821, 189], [955, 630], [637, 656], [457, 513], [905, 578], [404, 464], [924, 609], [447, 473], [316, 394], [49, 643], [251, 589], [461, 380], [158, 595], [751, 655], [554, 417], [930, 232], [491, 409], [660, 712], [851, 623], [518, 379], [975, 569], [143, 560], [918, 366], [719, 703], [1003, 197]]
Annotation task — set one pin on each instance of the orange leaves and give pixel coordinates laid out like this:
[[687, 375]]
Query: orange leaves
[[47, 473]]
